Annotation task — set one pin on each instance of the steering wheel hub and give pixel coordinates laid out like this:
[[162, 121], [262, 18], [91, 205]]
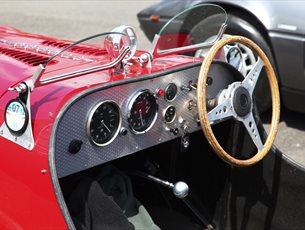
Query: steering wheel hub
[[242, 102]]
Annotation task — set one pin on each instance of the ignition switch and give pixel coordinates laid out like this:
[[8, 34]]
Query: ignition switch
[[191, 104], [185, 139]]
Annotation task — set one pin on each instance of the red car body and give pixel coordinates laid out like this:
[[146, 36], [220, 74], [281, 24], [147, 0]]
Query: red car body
[[27, 192], [148, 104]]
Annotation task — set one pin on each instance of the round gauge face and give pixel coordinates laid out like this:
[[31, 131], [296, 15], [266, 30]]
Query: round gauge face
[[170, 92], [104, 123], [16, 116], [170, 114], [143, 111]]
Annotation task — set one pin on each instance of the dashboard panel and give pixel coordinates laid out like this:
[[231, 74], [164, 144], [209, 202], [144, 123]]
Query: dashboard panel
[[116, 121]]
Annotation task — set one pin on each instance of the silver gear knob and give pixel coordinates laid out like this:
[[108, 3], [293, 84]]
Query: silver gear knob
[[180, 189]]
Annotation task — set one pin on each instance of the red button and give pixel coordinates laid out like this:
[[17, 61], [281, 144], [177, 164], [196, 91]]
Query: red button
[[160, 92]]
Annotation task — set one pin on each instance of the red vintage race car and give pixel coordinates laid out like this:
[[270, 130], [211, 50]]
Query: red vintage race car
[[96, 134]]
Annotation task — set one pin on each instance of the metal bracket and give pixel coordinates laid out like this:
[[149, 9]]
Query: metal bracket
[[145, 59], [25, 139]]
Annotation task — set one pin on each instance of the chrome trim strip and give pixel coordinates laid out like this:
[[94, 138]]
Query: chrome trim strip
[[53, 172]]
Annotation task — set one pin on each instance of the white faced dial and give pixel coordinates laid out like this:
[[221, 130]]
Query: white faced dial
[[16, 116]]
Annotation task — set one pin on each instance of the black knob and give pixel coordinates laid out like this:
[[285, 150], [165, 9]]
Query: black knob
[[174, 131], [209, 81], [123, 131], [75, 146]]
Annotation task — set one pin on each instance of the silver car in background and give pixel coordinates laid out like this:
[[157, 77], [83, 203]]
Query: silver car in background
[[278, 27]]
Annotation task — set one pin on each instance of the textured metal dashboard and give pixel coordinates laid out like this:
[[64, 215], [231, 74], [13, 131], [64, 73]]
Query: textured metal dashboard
[[72, 125]]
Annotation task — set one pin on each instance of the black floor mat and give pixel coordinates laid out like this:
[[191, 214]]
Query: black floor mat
[[168, 219]]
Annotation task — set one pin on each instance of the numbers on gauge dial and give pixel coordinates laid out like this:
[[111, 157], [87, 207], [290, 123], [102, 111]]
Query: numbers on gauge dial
[[104, 123], [142, 111]]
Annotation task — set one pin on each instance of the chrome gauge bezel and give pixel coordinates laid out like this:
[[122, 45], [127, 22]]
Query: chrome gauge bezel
[[92, 111], [174, 117], [130, 105], [166, 89]]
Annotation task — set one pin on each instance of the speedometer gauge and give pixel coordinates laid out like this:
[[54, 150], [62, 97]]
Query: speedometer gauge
[[143, 111], [104, 123]]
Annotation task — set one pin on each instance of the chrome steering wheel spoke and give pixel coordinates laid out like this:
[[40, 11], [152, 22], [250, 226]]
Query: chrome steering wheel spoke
[[251, 127], [221, 112], [251, 79]]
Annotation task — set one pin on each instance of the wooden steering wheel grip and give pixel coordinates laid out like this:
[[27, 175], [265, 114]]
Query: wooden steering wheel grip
[[202, 107]]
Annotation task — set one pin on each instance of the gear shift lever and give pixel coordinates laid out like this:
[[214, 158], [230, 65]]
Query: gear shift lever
[[180, 189]]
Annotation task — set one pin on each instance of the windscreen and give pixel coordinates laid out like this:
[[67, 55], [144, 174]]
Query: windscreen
[[199, 25]]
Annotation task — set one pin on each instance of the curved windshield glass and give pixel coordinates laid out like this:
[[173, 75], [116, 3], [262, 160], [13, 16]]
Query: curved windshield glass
[[98, 52], [193, 28]]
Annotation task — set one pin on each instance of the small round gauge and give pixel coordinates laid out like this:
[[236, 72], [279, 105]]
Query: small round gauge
[[170, 114], [142, 111], [104, 122], [16, 116], [171, 92]]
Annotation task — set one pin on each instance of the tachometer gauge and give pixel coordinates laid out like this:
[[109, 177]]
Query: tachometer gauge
[[142, 111], [16, 116], [103, 123]]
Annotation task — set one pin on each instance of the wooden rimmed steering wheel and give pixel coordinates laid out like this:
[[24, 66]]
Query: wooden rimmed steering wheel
[[237, 103]]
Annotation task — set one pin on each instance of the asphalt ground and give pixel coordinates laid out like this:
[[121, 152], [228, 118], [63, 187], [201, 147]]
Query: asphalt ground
[[74, 20]]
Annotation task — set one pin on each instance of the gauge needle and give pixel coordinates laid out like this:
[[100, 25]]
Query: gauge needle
[[140, 111], [102, 121], [147, 109]]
